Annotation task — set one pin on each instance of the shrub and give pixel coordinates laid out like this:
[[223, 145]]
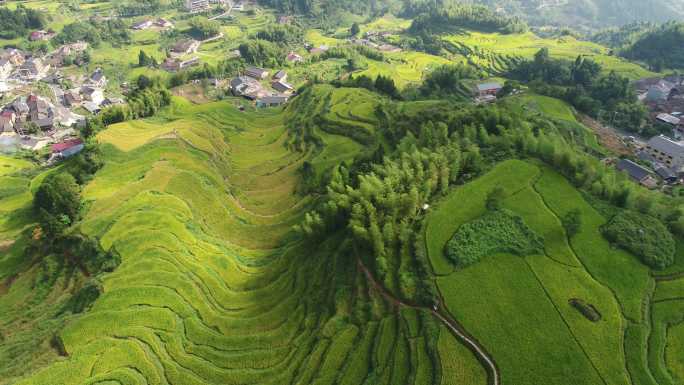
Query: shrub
[[644, 236], [498, 231], [588, 310]]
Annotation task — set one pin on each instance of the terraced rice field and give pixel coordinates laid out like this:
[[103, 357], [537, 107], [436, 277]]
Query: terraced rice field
[[214, 289], [531, 294], [491, 48]]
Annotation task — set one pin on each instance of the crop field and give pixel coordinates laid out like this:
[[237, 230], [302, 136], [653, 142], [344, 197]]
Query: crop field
[[533, 292], [493, 47], [199, 202]]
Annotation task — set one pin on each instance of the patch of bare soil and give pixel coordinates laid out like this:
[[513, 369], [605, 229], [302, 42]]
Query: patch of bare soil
[[193, 92], [607, 137]]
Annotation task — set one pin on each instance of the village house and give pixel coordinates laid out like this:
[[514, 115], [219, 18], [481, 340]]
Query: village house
[[282, 86], [486, 89], [91, 107], [247, 87], [40, 112], [69, 49], [67, 148], [272, 101], [6, 68], [668, 119], [256, 73], [637, 172], [163, 23], [7, 120], [175, 64], [197, 6], [659, 92], [293, 57], [98, 79], [185, 47], [34, 68], [666, 174], [318, 50], [72, 98], [285, 19], [280, 75], [41, 35], [142, 25], [20, 107], [110, 101], [92, 94], [666, 151], [14, 56]]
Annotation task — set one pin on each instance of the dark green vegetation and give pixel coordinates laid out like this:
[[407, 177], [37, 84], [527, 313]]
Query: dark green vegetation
[[582, 84], [114, 31], [457, 18], [216, 243], [19, 22], [496, 232], [644, 236], [661, 47]]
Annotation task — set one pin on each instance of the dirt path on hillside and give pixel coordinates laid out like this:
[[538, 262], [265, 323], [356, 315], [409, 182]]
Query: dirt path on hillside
[[607, 137], [494, 377]]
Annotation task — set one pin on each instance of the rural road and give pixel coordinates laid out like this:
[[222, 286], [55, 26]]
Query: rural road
[[456, 329]]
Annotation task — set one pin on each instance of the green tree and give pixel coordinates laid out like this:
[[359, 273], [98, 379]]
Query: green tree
[[572, 222], [57, 202], [495, 198], [355, 29]]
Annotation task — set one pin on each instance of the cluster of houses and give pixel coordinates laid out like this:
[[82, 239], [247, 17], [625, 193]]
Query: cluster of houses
[[33, 120], [202, 6], [250, 86], [16, 65], [665, 99], [376, 40], [41, 35], [665, 157]]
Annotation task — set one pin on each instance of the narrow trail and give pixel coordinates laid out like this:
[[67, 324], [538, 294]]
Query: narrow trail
[[494, 377]]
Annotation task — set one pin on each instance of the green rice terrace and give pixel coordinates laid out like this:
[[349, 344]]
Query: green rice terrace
[[214, 287], [211, 288]]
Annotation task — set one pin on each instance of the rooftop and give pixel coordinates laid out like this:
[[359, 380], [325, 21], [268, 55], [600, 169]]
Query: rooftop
[[634, 170]]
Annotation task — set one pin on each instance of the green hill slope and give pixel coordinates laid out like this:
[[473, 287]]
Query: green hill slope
[[212, 289]]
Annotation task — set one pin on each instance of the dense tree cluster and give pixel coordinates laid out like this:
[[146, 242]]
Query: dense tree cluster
[[381, 209], [382, 84], [282, 34], [202, 28], [498, 231], [18, 22], [149, 96], [113, 31], [262, 53], [57, 203], [582, 84], [447, 81], [661, 48], [222, 70], [644, 236], [458, 17], [140, 7]]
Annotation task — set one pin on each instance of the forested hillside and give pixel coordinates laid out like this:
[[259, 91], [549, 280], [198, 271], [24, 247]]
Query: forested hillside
[[661, 48], [585, 13]]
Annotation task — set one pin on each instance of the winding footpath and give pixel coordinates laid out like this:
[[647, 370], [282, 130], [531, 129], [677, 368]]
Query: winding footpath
[[494, 376]]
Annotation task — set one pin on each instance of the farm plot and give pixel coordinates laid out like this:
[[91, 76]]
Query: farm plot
[[545, 284], [212, 289]]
